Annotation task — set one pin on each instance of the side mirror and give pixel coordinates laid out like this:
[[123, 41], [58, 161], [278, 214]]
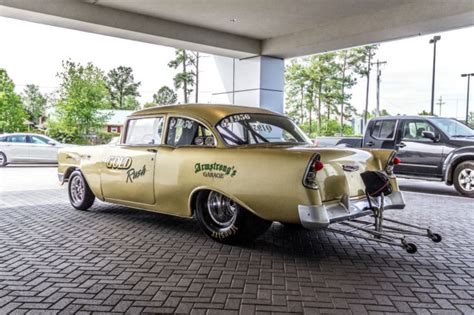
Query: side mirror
[[430, 135], [51, 143]]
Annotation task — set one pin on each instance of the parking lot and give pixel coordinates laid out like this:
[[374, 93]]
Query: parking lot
[[120, 260]]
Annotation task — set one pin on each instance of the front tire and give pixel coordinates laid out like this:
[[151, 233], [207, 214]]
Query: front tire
[[226, 221], [80, 195], [3, 159], [464, 178]]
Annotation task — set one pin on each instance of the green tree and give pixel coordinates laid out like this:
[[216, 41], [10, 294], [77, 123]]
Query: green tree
[[123, 89], [470, 120], [362, 65], [165, 96], [34, 102], [12, 114], [296, 87], [82, 94], [424, 113], [322, 71], [149, 104], [184, 79]]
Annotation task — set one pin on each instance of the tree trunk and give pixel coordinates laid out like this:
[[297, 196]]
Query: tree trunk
[[185, 83], [342, 92], [197, 78], [301, 105], [319, 107]]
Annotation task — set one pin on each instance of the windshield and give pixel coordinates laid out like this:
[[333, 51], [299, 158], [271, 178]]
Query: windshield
[[243, 129], [452, 127]]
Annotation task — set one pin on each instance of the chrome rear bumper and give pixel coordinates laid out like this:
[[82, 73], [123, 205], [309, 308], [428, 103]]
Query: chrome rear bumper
[[319, 217]]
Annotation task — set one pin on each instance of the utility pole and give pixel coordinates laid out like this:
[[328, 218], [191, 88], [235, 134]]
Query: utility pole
[[433, 41], [440, 103], [367, 90], [468, 75], [379, 75]]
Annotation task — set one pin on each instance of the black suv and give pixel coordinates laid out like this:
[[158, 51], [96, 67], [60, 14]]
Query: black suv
[[429, 147]]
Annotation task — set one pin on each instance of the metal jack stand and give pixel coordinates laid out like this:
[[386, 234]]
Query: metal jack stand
[[388, 234]]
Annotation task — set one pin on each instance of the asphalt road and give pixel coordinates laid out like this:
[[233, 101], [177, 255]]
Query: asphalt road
[[28, 177]]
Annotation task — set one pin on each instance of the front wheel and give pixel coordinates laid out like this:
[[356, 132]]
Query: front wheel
[[464, 178], [80, 195], [226, 221]]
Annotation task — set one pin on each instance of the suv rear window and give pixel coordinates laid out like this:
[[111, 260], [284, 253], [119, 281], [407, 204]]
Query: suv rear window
[[384, 129]]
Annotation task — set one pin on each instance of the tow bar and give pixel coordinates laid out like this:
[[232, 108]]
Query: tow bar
[[377, 231]]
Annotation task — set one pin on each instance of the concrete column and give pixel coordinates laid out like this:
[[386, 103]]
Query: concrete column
[[256, 81]]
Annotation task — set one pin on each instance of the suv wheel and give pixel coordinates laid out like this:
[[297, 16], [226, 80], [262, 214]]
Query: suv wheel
[[3, 159], [464, 178], [80, 195], [226, 221]]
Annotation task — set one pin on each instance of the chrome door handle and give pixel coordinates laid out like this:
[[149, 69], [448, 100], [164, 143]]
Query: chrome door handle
[[401, 145], [370, 144], [152, 150]]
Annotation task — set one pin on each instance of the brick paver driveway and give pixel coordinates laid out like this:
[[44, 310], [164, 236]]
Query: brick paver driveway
[[115, 259]]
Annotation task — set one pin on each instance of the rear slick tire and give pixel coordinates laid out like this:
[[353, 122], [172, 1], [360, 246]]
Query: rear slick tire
[[225, 221]]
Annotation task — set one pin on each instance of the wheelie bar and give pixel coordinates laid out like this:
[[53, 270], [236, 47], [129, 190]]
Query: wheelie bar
[[372, 235], [377, 231]]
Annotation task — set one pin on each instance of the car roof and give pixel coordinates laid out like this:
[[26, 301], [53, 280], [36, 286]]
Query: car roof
[[21, 134], [212, 113], [403, 117]]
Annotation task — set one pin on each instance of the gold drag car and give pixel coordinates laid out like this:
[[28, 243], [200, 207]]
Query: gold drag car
[[236, 169]]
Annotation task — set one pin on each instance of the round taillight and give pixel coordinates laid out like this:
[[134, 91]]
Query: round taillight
[[318, 165], [396, 161]]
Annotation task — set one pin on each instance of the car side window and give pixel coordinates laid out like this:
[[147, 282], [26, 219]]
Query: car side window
[[384, 129], [182, 131], [413, 129], [38, 140], [17, 139], [144, 131]]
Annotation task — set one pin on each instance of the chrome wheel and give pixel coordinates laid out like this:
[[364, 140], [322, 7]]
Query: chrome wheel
[[77, 188], [222, 210], [466, 179], [2, 159]]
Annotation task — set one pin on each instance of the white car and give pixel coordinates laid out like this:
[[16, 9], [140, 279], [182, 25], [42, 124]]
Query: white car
[[19, 148]]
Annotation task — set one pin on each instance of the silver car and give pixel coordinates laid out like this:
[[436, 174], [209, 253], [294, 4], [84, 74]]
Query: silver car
[[28, 148]]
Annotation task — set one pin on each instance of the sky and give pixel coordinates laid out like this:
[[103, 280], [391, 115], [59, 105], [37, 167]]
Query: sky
[[34, 53]]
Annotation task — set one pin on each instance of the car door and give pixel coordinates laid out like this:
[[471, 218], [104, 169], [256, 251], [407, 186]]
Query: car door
[[381, 134], [17, 148], [186, 142], [129, 168], [419, 156], [42, 149]]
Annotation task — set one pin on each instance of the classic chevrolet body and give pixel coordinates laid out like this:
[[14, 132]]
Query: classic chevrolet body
[[236, 169]]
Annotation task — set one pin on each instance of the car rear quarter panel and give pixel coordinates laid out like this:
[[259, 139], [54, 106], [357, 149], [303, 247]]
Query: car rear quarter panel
[[265, 183]]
